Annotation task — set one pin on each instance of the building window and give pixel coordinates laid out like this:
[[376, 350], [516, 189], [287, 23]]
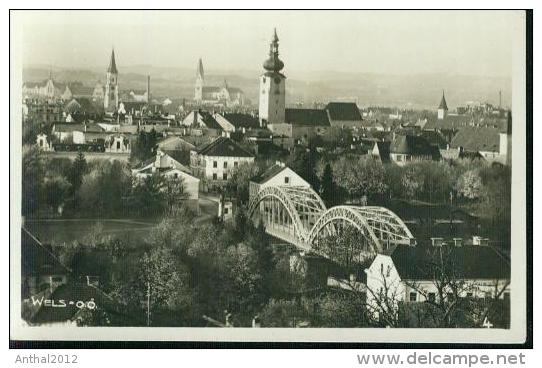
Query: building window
[[176, 175], [286, 180], [413, 296], [431, 297], [225, 164], [215, 164], [469, 295], [215, 176], [118, 145], [225, 211], [225, 176], [382, 268], [235, 164]]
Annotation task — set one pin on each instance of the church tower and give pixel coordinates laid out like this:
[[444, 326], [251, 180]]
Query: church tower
[[200, 81], [272, 87], [111, 95], [442, 110]]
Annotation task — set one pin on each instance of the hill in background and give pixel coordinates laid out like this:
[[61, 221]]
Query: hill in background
[[420, 91]]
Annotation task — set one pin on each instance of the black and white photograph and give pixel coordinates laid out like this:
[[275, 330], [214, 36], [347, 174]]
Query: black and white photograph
[[213, 175]]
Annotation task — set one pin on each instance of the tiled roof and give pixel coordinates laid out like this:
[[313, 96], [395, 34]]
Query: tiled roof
[[384, 150], [37, 259], [209, 120], [225, 147], [434, 138], [307, 117], [72, 106], [477, 139], [467, 261], [268, 174], [242, 120], [343, 111], [461, 121], [412, 145], [181, 156]]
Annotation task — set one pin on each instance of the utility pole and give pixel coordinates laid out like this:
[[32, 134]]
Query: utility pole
[[148, 304]]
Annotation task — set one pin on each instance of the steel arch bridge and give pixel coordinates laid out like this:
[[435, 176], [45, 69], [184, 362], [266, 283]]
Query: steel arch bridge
[[299, 216], [289, 212]]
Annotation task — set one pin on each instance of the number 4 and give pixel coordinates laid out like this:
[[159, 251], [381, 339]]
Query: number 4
[[487, 323]]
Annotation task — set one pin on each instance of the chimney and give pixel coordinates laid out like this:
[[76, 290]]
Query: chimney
[[500, 99]]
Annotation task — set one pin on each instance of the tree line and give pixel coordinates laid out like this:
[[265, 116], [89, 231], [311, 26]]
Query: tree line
[[61, 187]]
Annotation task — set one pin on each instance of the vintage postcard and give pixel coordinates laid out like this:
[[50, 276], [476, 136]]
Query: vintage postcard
[[309, 176]]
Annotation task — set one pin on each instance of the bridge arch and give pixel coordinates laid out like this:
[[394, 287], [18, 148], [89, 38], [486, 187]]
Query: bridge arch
[[378, 224], [302, 205]]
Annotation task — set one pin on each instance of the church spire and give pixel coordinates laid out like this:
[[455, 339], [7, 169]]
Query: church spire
[[273, 63], [200, 69], [112, 64], [443, 104]]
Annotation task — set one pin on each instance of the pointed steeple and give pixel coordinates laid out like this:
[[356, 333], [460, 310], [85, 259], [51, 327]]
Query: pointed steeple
[[274, 64], [200, 69], [112, 65], [443, 104]]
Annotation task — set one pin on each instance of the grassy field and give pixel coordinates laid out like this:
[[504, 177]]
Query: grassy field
[[67, 230]]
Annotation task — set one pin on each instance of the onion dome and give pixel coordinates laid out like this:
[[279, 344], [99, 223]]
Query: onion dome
[[273, 63]]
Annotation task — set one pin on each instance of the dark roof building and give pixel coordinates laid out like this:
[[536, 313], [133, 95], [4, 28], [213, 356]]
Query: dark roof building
[[268, 174], [381, 150], [342, 113], [223, 146], [477, 139], [435, 138], [307, 117], [412, 145], [467, 262], [239, 120], [209, 121]]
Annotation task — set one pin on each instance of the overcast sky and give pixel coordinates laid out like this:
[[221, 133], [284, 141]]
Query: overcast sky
[[461, 42]]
